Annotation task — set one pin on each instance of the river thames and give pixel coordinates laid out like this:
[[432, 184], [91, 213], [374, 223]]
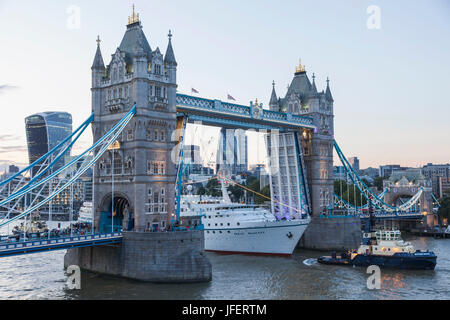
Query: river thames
[[41, 276]]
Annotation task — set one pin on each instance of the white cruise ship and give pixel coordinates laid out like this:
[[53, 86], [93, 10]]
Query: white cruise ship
[[85, 213], [239, 228]]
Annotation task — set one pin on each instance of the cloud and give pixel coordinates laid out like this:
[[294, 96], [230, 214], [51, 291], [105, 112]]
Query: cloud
[[8, 137], [7, 87], [9, 149]]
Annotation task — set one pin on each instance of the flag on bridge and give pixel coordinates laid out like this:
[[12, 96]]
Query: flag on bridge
[[231, 98], [194, 91]]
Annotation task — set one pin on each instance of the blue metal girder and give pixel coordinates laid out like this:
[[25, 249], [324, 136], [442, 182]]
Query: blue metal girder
[[229, 123], [46, 245]]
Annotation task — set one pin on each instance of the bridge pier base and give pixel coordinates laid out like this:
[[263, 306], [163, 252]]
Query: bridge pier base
[[332, 233], [161, 257]]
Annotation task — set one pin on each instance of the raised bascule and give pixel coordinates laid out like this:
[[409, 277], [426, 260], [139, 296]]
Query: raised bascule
[[138, 122]]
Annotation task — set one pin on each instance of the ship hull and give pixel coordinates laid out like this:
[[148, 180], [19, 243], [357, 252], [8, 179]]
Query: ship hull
[[411, 261], [272, 238]]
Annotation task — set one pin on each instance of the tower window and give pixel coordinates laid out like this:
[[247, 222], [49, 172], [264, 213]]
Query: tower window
[[157, 69], [130, 135], [158, 91], [155, 137]]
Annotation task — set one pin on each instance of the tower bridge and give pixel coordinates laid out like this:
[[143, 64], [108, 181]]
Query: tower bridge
[[136, 185]]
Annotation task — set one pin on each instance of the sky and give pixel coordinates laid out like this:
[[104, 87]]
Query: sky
[[390, 84]]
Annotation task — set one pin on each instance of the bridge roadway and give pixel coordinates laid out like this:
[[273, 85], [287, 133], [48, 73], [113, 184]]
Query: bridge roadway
[[8, 249], [381, 215]]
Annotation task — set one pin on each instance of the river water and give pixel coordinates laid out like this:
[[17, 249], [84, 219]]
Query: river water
[[41, 276]]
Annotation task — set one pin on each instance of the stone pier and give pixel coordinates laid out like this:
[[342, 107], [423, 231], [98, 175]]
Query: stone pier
[[160, 257], [332, 233]]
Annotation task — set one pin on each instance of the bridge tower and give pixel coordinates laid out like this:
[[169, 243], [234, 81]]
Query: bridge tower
[[144, 174], [134, 180], [302, 98]]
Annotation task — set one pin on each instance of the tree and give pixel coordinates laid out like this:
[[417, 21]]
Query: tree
[[201, 191], [265, 191], [213, 188], [444, 209], [378, 182], [236, 193]]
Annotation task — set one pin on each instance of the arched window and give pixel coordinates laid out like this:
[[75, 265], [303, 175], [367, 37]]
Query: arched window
[[117, 163]]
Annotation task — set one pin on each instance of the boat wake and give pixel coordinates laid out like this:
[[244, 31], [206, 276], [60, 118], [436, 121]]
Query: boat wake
[[310, 262]]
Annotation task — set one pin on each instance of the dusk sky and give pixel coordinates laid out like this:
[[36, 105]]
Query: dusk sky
[[390, 85]]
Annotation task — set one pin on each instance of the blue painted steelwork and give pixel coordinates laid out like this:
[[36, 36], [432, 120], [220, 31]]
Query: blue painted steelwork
[[434, 198], [369, 194], [110, 137], [380, 216], [347, 205], [77, 132], [218, 112], [52, 244]]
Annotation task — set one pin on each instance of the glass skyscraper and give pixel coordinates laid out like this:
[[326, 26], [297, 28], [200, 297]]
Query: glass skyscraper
[[45, 131]]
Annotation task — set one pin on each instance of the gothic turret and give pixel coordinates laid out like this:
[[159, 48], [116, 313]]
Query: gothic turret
[[273, 104], [98, 60], [98, 66], [169, 58], [328, 92], [313, 92], [170, 62]]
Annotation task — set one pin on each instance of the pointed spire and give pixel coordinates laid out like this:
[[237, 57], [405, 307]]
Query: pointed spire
[[170, 56], [313, 87], [328, 92], [98, 60], [273, 98]]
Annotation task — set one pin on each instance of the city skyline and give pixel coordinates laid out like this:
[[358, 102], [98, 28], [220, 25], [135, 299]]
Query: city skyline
[[402, 90]]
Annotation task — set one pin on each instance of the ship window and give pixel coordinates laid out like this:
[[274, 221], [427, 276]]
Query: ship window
[[207, 231], [214, 232], [238, 224], [229, 232], [220, 231], [221, 224], [216, 224], [228, 223]]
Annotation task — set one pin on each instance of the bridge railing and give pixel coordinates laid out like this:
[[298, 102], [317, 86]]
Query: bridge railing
[[240, 110], [56, 241]]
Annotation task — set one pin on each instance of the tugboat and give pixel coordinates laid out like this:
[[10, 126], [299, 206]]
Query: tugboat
[[386, 249]]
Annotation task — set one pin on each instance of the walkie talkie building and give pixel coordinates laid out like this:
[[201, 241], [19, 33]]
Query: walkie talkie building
[[45, 131]]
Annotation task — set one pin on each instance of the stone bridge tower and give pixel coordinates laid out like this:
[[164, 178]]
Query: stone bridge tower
[[302, 98], [144, 174]]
